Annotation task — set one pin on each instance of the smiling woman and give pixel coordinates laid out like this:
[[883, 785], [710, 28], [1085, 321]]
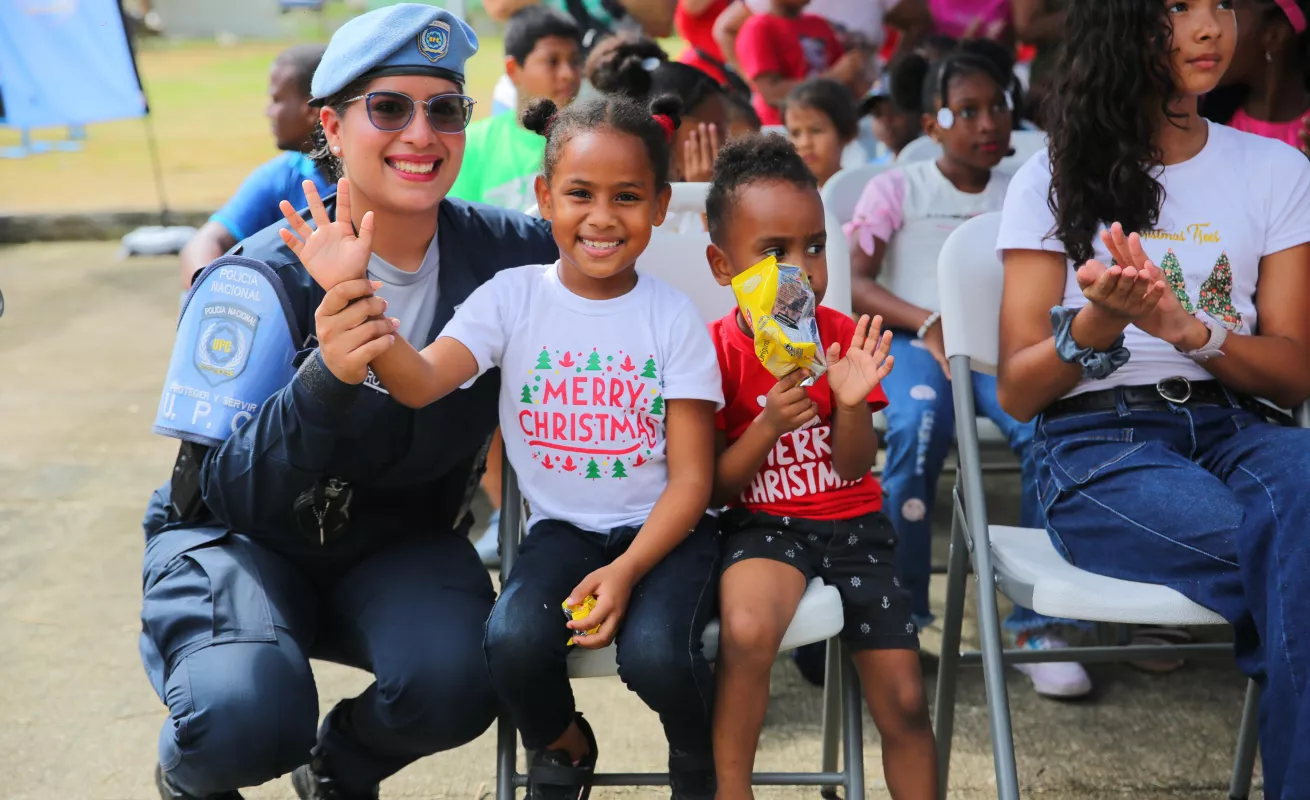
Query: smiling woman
[[327, 520]]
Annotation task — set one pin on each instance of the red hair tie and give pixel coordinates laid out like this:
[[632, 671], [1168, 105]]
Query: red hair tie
[[665, 122]]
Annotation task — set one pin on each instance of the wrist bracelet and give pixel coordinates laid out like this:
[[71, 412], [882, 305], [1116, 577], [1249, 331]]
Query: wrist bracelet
[[1095, 364], [932, 320]]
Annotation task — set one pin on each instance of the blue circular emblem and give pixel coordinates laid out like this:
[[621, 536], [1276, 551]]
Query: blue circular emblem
[[434, 41]]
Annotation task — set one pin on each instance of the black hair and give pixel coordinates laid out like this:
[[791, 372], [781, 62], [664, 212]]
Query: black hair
[[829, 97], [938, 43], [1221, 104], [905, 76], [626, 65], [620, 113], [302, 60], [1113, 81], [531, 24], [972, 58], [739, 107], [751, 159], [327, 162]]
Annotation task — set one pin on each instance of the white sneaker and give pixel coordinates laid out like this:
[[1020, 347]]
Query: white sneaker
[[488, 544], [1065, 680]]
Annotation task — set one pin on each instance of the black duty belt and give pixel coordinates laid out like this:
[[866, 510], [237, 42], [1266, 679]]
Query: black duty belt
[[1175, 391]]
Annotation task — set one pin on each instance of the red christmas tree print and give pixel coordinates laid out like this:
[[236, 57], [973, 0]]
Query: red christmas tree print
[[547, 463], [568, 464], [627, 365], [639, 461], [567, 360]]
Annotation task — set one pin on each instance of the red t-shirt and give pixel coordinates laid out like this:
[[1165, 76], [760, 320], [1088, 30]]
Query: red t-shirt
[[792, 47], [698, 29], [797, 479]]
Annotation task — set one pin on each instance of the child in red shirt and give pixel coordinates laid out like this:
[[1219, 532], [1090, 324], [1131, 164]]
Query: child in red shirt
[[779, 49], [794, 467]]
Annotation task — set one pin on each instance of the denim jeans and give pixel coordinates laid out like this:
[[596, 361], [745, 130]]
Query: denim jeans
[[1211, 501], [659, 642], [920, 428]]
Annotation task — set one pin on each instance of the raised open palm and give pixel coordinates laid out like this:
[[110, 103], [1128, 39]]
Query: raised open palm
[[330, 251], [865, 364]]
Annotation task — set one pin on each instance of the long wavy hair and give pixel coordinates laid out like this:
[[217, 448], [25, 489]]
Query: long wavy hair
[[1114, 84]]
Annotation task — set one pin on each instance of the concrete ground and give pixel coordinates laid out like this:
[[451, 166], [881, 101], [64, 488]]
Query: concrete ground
[[83, 345]]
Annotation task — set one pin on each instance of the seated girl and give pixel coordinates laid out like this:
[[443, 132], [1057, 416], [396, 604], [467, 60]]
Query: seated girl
[[900, 224], [821, 120], [608, 391]]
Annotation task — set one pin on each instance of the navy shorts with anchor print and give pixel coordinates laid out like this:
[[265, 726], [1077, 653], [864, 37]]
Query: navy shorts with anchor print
[[858, 556]]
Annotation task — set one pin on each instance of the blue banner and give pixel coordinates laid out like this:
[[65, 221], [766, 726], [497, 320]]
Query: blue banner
[[66, 62], [236, 346]]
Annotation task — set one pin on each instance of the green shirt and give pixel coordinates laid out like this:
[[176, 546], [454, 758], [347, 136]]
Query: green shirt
[[501, 162]]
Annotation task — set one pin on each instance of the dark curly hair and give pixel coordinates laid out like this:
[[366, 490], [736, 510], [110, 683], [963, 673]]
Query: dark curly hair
[[615, 60], [617, 112], [831, 98], [751, 159], [1113, 82], [628, 66]]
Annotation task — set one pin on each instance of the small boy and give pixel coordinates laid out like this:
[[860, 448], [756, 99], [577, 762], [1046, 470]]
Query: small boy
[[779, 49], [543, 58], [794, 467]]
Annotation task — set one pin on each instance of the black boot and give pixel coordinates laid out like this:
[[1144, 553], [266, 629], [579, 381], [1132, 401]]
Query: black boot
[[167, 791], [314, 780]]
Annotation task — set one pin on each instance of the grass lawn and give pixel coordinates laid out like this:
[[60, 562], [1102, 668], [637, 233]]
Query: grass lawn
[[207, 107]]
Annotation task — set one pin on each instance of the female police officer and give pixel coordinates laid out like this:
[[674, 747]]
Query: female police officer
[[324, 519]]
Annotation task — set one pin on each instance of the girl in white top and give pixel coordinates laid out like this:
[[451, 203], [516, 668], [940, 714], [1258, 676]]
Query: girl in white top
[[1141, 349], [899, 226], [609, 386]]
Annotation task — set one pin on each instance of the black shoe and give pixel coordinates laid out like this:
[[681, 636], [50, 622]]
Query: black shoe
[[552, 775], [690, 780], [167, 791], [312, 785]]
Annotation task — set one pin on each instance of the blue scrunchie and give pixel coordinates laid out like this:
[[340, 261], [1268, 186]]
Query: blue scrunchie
[[1096, 365]]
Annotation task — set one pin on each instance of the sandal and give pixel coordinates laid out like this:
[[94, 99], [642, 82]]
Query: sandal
[[1160, 636], [553, 775]]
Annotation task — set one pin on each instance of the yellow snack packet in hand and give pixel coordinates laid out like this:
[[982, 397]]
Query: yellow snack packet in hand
[[778, 304], [580, 611]]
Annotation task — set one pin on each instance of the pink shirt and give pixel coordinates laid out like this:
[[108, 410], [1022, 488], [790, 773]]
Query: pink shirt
[[1282, 131], [955, 17]]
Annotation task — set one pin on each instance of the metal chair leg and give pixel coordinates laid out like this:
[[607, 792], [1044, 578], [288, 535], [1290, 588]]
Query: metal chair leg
[[1248, 737], [853, 726], [943, 708], [511, 514], [832, 713]]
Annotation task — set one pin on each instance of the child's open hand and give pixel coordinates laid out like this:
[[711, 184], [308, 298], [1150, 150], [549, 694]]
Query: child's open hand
[[611, 586], [864, 366], [332, 253], [1130, 288], [788, 406]]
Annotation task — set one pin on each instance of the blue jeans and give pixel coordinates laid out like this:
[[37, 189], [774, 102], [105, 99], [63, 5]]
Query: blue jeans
[[228, 628], [1211, 501], [920, 428], [658, 643]]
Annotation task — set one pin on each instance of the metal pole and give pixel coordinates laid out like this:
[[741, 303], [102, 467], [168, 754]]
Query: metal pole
[[943, 708]]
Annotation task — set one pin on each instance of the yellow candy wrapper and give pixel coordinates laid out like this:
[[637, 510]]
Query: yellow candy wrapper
[[580, 611], [778, 304]]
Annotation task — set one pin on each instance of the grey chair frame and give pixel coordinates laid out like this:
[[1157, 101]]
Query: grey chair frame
[[970, 541], [843, 705]]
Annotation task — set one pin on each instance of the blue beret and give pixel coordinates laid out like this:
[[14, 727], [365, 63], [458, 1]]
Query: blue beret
[[403, 39]]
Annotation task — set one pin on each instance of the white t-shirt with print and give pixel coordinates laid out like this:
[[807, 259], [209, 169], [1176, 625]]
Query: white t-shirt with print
[[583, 388], [1241, 198], [914, 208]]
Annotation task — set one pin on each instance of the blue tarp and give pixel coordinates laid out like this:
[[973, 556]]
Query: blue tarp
[[66, 62]]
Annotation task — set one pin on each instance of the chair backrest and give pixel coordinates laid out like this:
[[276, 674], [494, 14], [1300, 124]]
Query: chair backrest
[[843, 190], [969, 278], [1025, 144]]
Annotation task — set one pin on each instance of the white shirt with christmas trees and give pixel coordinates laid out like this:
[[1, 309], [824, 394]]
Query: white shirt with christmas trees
[[584, 385], [1241, 198]]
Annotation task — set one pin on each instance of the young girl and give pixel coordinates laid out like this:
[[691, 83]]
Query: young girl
[[821, 121], [794, 465], [608, 393], [1265, 90], [900, 224], [1143, 313]]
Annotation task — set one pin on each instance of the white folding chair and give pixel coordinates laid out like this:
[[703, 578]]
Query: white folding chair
[[679, 260], [1022, 562], [843, 190], [1025, 144]]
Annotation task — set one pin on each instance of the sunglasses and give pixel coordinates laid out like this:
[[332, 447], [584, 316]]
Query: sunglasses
[[392, 111]]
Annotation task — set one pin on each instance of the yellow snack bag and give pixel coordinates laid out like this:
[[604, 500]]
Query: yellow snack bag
[[778, 304], [580, 611]]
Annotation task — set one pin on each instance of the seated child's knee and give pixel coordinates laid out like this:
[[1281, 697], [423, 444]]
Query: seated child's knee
[[905, 709], [750, 634]]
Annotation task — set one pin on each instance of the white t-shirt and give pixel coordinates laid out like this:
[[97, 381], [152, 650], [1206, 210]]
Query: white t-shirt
[[1241, 198], [583, 388], [858, 16], [914, 208]]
